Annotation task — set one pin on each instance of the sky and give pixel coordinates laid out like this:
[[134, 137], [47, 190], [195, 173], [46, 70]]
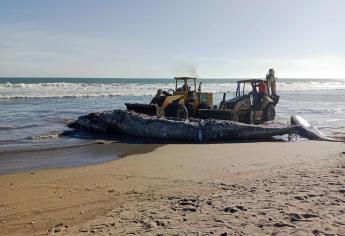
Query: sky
[[162, 39]]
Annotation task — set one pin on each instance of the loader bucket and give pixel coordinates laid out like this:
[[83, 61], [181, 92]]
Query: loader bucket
[[148, 109]]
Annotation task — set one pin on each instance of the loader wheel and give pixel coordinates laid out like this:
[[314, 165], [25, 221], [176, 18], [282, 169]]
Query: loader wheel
[[182, 113], [269, 112], [176, 110]]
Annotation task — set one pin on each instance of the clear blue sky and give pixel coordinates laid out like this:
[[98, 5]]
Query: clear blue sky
[[161, 38]]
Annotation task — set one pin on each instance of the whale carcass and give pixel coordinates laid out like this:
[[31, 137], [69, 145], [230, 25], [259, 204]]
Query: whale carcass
[[193, 130]]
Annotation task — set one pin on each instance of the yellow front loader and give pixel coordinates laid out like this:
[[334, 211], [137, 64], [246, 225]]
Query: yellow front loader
[[183, 102]]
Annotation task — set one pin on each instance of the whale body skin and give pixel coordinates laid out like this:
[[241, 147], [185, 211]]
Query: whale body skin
[[194, 130]]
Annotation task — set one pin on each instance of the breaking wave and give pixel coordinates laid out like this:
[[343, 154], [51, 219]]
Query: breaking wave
[[49, 90]]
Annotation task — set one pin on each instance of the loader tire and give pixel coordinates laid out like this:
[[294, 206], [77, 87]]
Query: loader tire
[[182, 113], [176, 110]]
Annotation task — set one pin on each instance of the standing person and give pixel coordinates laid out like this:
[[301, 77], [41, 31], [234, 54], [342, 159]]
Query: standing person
[[271, 82]]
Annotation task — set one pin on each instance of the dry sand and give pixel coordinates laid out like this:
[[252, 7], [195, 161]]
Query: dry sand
[[215, 189]]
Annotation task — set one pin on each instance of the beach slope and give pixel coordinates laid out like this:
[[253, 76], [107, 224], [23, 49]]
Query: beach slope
[[268, 188]]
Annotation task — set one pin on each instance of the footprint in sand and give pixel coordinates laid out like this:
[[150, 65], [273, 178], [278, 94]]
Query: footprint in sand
[[283, 224], [302, 217], [185, 204], [58, 228]]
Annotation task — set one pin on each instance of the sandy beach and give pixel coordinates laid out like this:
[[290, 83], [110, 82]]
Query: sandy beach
[[268, 188], [178, 118]]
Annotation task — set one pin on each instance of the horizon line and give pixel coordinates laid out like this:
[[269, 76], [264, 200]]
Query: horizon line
[[77, 77]]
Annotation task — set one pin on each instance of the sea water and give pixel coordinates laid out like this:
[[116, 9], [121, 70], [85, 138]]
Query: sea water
[[35, 111]]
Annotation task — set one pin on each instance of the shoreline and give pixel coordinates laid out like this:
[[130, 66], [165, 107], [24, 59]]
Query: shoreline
[[92, 153], [69, 157], [236, 188]]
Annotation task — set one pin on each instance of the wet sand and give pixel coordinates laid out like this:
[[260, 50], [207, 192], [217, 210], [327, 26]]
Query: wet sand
[[263, 188], [82, 155]]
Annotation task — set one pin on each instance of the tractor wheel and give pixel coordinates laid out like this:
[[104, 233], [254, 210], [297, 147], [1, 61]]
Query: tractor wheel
[[269, 112]]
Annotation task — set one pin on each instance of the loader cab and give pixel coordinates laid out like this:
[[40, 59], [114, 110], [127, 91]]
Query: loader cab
[[194, 98], [185, 85]]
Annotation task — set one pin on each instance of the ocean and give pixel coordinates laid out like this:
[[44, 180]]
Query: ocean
[[35, 111]]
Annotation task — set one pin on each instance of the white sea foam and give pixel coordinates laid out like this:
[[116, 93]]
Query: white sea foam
[[47, 136], [45, 90]]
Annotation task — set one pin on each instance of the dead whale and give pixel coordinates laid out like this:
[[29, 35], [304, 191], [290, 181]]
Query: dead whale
[[194, 130]]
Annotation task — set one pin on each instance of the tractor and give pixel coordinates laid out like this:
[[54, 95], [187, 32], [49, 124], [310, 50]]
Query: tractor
[[183, 102], [249, 105]]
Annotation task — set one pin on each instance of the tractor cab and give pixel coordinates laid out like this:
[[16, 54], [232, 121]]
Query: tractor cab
[[247, 87]]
